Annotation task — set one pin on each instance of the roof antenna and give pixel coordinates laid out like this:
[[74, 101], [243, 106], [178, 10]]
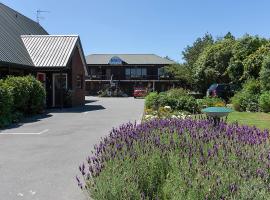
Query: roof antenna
[[38, 15]]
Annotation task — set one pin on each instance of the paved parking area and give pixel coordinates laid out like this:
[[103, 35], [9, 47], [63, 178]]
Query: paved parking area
[[39, 159]]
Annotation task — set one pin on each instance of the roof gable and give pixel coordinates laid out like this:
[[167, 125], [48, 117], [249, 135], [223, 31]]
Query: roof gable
[[50, 50], [13, 25], [139, 59]]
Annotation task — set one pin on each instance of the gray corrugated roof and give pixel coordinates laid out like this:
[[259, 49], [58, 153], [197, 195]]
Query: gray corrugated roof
[[50, 50], [143, 59], [12, 26]]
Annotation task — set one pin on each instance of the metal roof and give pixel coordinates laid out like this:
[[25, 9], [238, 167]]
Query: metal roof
[[12, 26], [50, 50], [139, 59]]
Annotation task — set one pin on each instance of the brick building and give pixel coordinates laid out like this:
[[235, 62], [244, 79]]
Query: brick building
[[56, 60]]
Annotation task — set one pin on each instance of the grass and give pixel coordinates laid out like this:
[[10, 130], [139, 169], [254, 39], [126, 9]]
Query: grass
[[258, 119]]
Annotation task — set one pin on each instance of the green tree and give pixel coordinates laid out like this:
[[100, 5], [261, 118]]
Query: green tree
[[242, 48], [192, 53], [211, 66], [180, 72], [253, 63], [265, 74]]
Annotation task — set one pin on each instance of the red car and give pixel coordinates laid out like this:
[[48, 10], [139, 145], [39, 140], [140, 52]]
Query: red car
[[139, 92]]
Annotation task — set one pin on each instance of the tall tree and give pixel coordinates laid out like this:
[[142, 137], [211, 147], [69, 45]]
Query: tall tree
[[265, 74], [192, 53], [253, 63], [211, 66], [242, 48]]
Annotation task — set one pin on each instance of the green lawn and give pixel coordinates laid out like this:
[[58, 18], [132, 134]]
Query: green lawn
[[260, 120]]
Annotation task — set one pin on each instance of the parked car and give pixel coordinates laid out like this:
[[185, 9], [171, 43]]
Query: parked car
[[224, 91], [139, 92]]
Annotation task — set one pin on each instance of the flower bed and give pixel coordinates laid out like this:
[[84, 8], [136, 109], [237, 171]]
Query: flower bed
[[179, 159]]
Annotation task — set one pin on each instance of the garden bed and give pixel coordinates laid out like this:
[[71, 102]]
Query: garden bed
[[179, 159]]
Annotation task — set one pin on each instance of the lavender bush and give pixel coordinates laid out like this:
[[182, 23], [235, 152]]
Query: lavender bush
[[179, 159]]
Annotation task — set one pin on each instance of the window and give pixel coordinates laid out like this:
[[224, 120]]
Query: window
[[144, 72], [127, 73], [79, 82], [133, 72], [138, 72], [161, 72]]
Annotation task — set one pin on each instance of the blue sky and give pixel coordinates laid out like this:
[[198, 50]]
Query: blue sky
[[163, 27]]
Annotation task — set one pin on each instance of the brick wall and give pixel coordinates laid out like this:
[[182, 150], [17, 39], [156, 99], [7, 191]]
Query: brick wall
[[78, 97]]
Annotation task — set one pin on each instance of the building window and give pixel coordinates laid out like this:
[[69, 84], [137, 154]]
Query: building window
[[79, 82], [127, 72], [144, 72], [135, 72]]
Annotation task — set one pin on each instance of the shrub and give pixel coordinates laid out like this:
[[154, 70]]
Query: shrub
[[20, 96], [20, 91], [264, 101], [177, 99], [151, 100], [179, 159], [177, 92], [37, 96], [6, 103], [28, 94], [247, 98]]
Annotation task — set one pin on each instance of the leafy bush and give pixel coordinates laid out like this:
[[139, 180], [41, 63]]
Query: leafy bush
[[28, 94], [6, 103], [20, 96], [247, 98], [179, 159], [151, 100], [37, 96], [264, 101], [177, 99]]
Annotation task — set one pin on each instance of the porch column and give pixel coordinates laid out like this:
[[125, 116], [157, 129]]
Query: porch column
[[153, 86]]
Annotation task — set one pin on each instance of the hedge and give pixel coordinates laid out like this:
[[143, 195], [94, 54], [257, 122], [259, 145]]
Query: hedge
[[20, 96], [6, 102]]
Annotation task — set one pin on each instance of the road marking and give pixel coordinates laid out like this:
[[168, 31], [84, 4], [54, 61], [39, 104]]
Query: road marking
[[86, 112], [39, 133]]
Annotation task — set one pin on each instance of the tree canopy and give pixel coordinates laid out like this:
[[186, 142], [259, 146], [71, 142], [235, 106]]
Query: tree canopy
[[223, 60]]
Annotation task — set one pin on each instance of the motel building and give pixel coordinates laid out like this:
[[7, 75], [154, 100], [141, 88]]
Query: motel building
[[56, 60], [127, 71]]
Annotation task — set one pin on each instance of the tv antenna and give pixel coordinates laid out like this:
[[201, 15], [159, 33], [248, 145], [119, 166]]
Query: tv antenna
[[38, 16]]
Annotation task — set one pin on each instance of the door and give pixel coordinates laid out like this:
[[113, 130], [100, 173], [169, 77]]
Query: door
[[59, 88]]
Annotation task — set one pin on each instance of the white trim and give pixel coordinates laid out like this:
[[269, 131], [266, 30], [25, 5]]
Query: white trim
[[53, 96]]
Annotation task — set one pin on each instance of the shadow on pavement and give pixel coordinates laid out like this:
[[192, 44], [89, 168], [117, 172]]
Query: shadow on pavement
[[79, 109], [49, 112], [26, 120]]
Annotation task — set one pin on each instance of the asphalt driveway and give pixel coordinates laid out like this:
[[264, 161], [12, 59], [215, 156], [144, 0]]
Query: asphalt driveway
[[39, 159]]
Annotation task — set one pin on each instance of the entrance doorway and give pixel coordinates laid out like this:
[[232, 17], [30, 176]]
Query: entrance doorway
[[59, 88]]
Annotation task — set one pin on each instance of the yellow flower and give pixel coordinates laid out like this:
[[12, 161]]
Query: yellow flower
[[220, 104]]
